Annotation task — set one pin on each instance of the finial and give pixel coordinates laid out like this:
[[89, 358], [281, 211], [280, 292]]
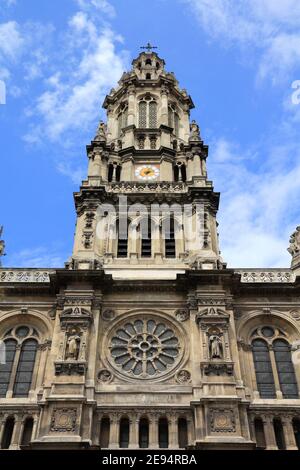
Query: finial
[[149, 47], [2, 244]]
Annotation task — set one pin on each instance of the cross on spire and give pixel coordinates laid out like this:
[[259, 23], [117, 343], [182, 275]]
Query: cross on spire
[[149, 47]]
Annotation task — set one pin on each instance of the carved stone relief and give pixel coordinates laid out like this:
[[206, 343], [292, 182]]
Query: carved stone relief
[[64, 420]]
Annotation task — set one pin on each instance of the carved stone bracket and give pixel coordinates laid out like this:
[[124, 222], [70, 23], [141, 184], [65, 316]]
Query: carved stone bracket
[[70, 368], [217, 368]]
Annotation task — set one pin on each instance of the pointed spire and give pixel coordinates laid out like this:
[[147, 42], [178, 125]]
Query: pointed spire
[[2, 245]]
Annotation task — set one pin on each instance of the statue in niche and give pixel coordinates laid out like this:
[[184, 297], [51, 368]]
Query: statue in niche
[[195, 131], [215, 347], [101, 132], [73, 345]]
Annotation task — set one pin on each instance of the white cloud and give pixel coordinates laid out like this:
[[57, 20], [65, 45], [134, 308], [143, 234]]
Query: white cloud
[[270, 26], [101, 5], [74, 92], [11, 41], [39, 257], [258, 206]]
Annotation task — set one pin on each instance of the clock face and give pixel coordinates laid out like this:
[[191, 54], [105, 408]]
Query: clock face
[[147, 172]]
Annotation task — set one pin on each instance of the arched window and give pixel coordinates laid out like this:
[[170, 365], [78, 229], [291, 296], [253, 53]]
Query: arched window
[[104, 433], [263, 369], [27, 432], [6, 369], [279, 436], [144, 433], [152, 114], [8, 432], [270, 341], [285, 369], [146, 238], [163, 433], [148, 76], [118, 173], [148, 113], [176, 173], [110, 172], [19, 363], [169, 233], [182, 433], [25, 368], [124, 433], [143, 114], [122, 231], [173, 119], [122, 119], [148, 62], [259, 434], [183, 172]]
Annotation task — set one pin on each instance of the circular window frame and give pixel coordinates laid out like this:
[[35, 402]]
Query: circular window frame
[[177, 329]]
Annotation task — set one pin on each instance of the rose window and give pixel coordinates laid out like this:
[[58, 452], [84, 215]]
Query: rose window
[[145, 348]]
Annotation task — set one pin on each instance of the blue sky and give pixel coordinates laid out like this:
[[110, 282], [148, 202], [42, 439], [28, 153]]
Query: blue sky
[[237, 58]]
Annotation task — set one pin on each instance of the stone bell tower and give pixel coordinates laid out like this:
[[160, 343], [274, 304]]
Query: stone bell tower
[[147, 161]]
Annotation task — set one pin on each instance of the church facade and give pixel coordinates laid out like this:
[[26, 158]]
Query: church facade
[[145, 339]]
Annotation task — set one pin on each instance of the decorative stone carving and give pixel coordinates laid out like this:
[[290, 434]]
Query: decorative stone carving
[[217, 368], [108, 315], [33, 275], [105, 376], [101, 134], [262, 276], [215, 347], [294, 248], [144, 348], [195, 132], [161, 187], [70, 368], [64, 420], [182, 314], [295, 314], [183, 376], [222, 420], [75, 316], [73, 345]]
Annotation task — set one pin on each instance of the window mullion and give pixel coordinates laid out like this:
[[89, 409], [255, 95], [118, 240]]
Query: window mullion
[[13, 374], [275, 373]]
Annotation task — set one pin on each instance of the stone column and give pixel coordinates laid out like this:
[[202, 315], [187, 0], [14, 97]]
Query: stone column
[[2, 426], [134, 432], [156, 240], [252, 428], [190, 167], [190, 431], [269, 433], [34, 429], [131, 106], [197, 166], [21, 431], [114, 432], [153, 432], [179, 239], [173, 432], [127, 167], [164, 108], [14, 445], [289, 435]]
